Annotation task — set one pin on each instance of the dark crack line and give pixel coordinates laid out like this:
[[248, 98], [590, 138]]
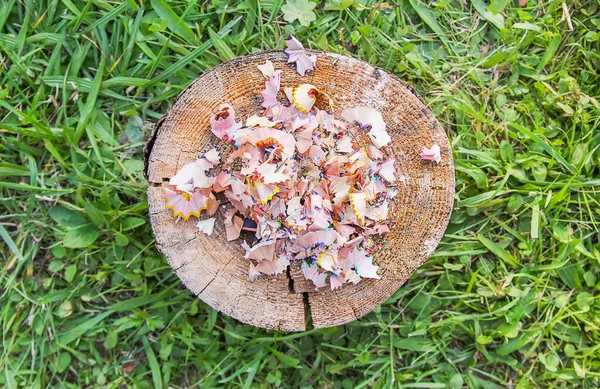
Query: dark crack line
[[308, 324], [180, 243], [305, 301], [290, 280], [182, 265], [208, 284], [157, 212], [228, 262], [216, 274]]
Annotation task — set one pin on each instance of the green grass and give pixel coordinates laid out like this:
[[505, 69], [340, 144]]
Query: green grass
[[509, 300]]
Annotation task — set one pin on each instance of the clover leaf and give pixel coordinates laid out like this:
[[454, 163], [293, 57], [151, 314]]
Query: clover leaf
[[301, 10]]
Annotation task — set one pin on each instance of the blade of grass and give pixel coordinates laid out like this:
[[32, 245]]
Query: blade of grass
[[183, 62], [427, 17], [154, 366], [88, 108], [10, 243], [176, 25], [498, 251], [544, 145]]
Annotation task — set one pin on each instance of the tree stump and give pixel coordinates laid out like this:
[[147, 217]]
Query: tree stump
[[215, 269]]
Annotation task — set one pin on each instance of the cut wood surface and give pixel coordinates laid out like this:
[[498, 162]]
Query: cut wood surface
[[215, 269]]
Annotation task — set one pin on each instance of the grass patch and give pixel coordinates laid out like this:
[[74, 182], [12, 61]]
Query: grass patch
[[509, 299]]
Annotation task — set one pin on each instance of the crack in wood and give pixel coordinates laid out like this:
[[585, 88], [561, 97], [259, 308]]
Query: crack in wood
[[305, 301], [179, 243], [208, 284], [182, 265], [290, 280], [150, 144], [308, 324], [216, 274]]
